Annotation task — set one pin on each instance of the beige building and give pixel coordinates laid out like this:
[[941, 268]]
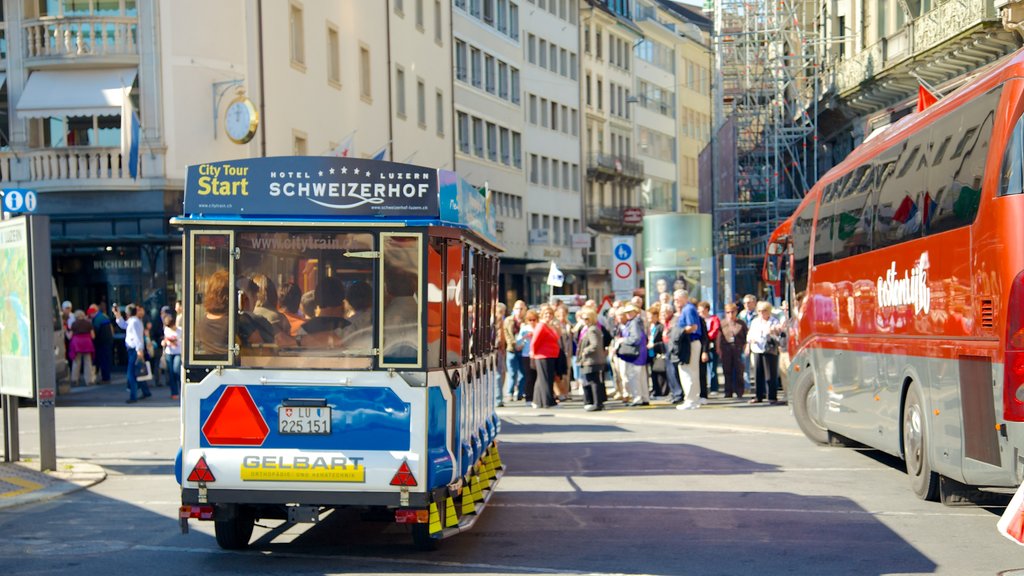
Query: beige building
[[365, 76]]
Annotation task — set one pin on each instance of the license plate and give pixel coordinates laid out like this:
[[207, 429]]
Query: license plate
[[304, 420]]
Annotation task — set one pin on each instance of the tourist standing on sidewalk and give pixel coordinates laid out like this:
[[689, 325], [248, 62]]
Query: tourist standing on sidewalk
[[713, 325], [135, 343], [563, 384], [670, 340], [632, 351], [656, 351], [591, 357], [82, 349], [104, 341], [526, 364], [544, 349], [689, 350], [747, 315], [762, 342], [731, 341], [172, 353], [498, 334], [515, 377]]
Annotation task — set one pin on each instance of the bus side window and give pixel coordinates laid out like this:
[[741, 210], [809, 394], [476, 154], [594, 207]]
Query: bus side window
[[955, 183], [1010, 180], [453, 301], [435, 301], [802, 229], [400, 310], [211, 301]]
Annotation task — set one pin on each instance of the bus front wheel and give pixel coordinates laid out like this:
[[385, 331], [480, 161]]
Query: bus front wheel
[[923, 480], [804, 400], [234, 532]]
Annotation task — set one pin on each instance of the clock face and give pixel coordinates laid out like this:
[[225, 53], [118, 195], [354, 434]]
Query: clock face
[[241, 121]]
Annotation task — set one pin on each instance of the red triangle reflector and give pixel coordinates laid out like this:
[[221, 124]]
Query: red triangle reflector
[[404, 476], [235, 420], [201, 472]]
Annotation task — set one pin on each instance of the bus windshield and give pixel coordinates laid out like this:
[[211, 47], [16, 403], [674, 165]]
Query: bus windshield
[[303, 300]]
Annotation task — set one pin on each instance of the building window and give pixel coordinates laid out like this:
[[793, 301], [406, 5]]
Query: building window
[[439, 112], [421, 104], [533, 109], [531, 48], [400, 91], [460, 60], [298, 35], [513, 21], [475, 62], [515, 86], [463, 132], [300, 143], [503, 80], [488, 11], [492, 142], [478, 137], [438, 17], [364, 73], [517, 150], [333, 55], [399, 7], [489, 83], [419, 14], [506, 153]]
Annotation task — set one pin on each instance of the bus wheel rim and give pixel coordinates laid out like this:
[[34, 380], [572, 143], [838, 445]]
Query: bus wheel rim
[[912, 437]]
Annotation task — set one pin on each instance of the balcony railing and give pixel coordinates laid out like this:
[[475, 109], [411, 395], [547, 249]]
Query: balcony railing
[[607, 167], [78, 36], [938, 25], [76, 163], [613, 219]]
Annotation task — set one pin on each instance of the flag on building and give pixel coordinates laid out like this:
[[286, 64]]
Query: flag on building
[[130, 132], [381, 154], [344, 150], [555, 276], [925, 97]]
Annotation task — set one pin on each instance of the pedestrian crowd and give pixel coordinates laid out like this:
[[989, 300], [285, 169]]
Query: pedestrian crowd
[[153, 350], [672, 350]]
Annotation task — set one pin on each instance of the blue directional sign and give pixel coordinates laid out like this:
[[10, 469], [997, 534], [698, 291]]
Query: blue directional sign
[[18, 200], [623, 251]]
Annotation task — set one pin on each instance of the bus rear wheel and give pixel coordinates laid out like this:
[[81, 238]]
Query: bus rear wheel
[[804, 400], [234, 532], [923, 480]]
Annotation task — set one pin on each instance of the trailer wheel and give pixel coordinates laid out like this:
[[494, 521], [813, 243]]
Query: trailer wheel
[[421, 538], [923, 480], [235, 532]]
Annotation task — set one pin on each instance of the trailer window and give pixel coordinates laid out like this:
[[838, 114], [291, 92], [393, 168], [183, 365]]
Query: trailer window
[[401, 336]]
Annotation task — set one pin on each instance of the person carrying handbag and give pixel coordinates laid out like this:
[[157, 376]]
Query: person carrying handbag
[[763, 345]]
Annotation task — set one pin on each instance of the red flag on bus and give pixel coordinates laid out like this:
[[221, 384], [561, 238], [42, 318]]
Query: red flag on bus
[[925, 98]]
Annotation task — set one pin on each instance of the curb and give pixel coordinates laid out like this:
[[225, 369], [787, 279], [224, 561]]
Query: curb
[[21, 484]]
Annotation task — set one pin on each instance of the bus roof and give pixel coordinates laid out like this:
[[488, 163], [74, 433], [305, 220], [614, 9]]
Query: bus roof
[[333, 189]]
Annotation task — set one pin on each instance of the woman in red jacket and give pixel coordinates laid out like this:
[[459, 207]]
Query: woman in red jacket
[[544, 350]]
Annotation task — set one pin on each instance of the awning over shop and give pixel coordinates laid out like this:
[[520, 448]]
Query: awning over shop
[[60, 93]]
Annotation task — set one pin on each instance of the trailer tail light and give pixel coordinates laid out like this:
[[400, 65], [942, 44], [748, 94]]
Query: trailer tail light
[[1013, 361], [404, 476], [407, 516], [197, 512], [235, 420], [201, 472]]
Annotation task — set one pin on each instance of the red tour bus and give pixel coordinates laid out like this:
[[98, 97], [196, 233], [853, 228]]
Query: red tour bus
[[905, 268]]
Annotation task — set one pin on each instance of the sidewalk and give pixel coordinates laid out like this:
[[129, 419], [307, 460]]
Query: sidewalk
[[22, 482]]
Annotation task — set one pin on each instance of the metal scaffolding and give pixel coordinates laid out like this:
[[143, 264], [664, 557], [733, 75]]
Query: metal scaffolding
[[768, 61]]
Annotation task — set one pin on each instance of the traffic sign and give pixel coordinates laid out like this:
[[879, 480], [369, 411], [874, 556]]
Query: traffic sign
[[623, 269], [18, 200]]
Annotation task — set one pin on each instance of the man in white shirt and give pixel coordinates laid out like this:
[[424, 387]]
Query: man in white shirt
[[135, 342]]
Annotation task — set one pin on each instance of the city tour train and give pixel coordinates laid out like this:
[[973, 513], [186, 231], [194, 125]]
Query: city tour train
[[338, 350], [905, 265]]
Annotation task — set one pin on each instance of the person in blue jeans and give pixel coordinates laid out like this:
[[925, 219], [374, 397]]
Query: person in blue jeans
[[515, 377], [135, 343], [172, 353]]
